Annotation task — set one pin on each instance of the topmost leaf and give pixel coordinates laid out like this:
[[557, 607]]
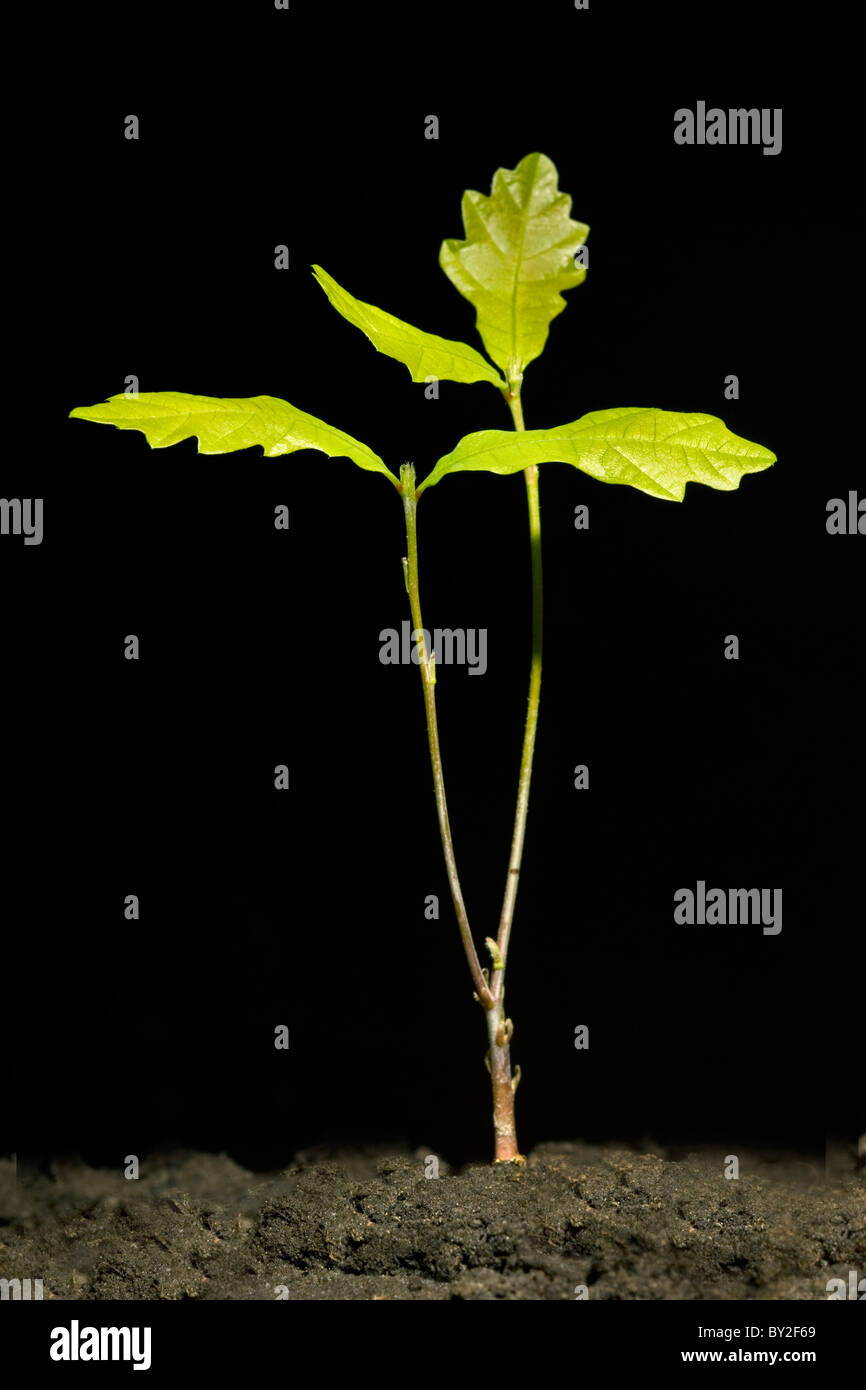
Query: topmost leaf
[[517, 257]]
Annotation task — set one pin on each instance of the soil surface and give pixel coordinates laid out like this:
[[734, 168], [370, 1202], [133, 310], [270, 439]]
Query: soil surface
[[367, 1224]]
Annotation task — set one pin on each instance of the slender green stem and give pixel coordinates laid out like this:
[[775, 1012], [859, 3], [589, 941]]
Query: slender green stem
[[428, 679], [512, 397], [522, 808]]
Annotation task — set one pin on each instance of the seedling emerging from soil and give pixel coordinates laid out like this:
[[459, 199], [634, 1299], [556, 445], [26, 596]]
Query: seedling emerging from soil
[[520, 251]]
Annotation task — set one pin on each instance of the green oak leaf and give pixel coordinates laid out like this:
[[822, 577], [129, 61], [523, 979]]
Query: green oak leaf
[[517, 257], [423, 353], [223, 424], [656, 451]]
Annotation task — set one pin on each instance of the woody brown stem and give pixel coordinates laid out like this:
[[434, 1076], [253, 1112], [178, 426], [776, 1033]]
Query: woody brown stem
[[499, 1060]]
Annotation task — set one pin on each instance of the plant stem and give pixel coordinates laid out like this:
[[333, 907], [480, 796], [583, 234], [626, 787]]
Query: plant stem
[[500, 1028], [522, 808], [428, 679]]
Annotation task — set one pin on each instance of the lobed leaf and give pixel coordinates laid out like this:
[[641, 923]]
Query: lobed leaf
[[423, 353], [517, 256], [656, 451], [223, 424]]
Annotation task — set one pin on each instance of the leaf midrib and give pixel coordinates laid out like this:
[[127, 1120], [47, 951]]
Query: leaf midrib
[[517, 264]]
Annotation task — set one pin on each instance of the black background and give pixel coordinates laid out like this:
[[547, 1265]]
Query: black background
[[156, 258]]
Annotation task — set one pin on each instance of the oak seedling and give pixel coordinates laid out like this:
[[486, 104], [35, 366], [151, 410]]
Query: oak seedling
[[520, 252]]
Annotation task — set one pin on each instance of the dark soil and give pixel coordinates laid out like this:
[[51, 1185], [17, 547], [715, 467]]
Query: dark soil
[[371, 1225]]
